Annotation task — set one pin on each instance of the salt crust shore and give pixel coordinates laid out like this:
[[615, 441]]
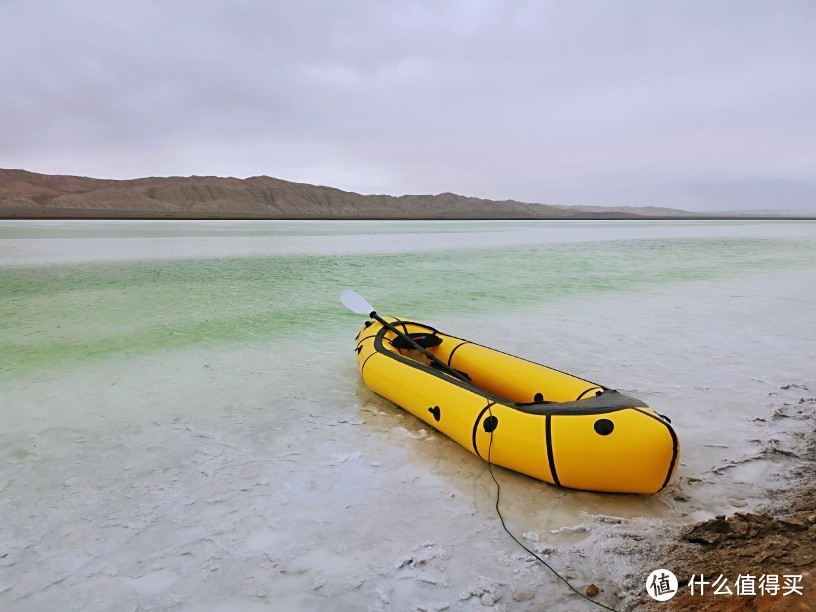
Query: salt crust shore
[[118, 562]]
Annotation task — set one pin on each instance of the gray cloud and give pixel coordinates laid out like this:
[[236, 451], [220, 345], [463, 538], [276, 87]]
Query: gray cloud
[[690, 104]]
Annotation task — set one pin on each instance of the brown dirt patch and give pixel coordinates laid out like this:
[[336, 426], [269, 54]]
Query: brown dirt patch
[[779, 541]]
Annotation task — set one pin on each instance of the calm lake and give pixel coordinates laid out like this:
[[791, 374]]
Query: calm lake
[[183, 426]]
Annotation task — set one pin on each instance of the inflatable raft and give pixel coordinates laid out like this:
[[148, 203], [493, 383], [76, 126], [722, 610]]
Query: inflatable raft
[[523, 416]]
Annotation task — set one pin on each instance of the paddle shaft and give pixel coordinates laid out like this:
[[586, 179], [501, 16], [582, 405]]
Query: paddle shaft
[[410, 341]]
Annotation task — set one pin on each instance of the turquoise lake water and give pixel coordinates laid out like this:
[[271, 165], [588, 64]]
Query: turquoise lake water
[[184, 425]]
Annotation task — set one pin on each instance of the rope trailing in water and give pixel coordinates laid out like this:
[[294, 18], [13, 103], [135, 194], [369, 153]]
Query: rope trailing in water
[[517, 541]]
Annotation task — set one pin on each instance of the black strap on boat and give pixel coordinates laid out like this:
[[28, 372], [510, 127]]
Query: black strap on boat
[[456, 348], [476, 427], [550, 452]]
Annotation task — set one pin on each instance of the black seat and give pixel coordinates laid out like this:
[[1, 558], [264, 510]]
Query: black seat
[[424, 340]]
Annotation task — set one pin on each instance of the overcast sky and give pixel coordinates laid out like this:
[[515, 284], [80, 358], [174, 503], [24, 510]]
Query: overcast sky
[[703, 105]]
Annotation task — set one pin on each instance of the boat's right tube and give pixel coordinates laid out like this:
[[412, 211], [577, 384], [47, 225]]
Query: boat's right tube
[[511, 377]]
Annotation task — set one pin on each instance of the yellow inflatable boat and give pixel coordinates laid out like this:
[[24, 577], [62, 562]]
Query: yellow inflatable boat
[[523, 416]]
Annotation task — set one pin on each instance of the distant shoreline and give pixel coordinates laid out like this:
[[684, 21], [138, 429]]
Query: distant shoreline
[[10, 214], [28, 195]]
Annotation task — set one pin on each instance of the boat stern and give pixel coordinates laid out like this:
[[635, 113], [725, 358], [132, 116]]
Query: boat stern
[[631, 450]]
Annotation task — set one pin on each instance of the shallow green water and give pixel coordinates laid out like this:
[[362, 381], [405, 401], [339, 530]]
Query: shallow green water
[[70, 313]]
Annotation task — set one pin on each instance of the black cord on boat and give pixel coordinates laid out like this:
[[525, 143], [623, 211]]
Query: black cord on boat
[[517, 541]]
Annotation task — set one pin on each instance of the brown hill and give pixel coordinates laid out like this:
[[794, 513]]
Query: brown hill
[[29, 195]]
